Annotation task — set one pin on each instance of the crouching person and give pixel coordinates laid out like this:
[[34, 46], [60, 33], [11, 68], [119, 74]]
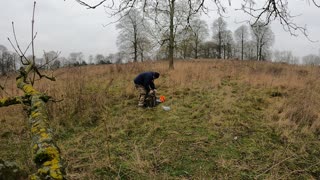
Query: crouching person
[[145, 85]]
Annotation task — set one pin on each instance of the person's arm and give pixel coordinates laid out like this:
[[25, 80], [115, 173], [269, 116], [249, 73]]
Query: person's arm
[[152, 86]]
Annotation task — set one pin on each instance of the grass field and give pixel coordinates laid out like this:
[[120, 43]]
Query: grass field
[[228, 120]]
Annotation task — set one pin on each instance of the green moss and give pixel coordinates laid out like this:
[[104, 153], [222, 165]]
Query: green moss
[[35, 114], [44, 136], [2, 101], [28, 89]]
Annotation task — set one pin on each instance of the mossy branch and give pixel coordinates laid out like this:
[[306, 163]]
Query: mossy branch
[[11, 101], [46, 155]]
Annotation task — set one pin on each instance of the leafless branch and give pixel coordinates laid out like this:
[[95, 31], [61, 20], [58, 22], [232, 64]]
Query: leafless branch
[[22, 55], [32, 43], [91, 6], [47, 58], [12, 101], [2, 87], [274, 10], [315, 3]]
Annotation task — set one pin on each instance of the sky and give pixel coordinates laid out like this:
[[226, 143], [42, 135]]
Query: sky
[[66, 26]]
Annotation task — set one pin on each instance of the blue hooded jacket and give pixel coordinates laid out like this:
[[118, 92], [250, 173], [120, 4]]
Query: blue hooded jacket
[[146, 80]]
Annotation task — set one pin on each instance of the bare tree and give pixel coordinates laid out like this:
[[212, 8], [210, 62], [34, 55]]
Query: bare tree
[[133, 33], [285, 57], [219, 28], [208, 49], [49, 58], [200, 31], [227, 44], [263, 38], [99, 58], [265, 11], [311, 59], [90, 58], [75, 58], [7, 60], [170, 17], [241, 35], [184, 44]]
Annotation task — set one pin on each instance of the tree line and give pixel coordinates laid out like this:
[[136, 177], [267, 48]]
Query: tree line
[[240, 49], [140, 40], [171, 21]]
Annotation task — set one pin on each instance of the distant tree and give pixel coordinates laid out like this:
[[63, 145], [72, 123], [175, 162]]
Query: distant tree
[[241, 35], [219, 28], [119, 57], [311, 59], [49, 58], [75, 58], [90, 58], [264, 38], [170, 18], [3, 51], [63, 61], [250, 50], [285, 57], [7, 60], [227, 44], [99, 59], [110, 58], [144, 47], [56, 64], [84, 63], [208, 49], [184, 44], [199, 29], [133, 36]]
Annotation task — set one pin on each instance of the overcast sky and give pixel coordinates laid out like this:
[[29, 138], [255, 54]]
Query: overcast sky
[[69, 27]]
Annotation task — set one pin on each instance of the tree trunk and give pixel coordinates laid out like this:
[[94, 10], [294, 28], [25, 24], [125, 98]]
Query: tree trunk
[[242, 46], [135, 44], [219, 46], [258, 44], [171, 38], [196, 50]]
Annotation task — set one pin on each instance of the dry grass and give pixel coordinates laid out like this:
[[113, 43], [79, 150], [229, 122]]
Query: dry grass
[[102, 134]]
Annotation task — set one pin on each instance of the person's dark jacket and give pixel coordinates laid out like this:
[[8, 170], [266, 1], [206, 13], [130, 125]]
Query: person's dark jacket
[[146, 80]]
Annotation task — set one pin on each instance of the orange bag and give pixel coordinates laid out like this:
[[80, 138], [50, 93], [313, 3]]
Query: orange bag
[[162, 99]]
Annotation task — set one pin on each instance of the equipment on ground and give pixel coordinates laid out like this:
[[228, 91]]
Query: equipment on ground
[[152, 100]]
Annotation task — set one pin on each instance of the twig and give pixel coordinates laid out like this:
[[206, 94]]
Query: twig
[[273, 166], [46, 57], [4, 85], [90, 6], [32, 43]]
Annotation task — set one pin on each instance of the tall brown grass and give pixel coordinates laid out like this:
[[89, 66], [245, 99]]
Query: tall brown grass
[[85, 91]]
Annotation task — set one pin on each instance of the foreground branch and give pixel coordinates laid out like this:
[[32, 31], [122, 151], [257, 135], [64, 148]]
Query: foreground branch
[[11, 101], [46, 154]]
